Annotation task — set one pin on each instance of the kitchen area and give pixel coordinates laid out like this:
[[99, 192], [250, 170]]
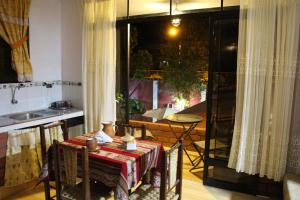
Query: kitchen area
[[54, 94]]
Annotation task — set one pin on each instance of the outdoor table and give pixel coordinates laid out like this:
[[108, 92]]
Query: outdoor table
[[116, 167], [188, 122]]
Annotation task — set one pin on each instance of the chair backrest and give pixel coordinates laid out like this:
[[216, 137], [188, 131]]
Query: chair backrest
[[171, 171], [122, 129], [62, 124], [66, 163]]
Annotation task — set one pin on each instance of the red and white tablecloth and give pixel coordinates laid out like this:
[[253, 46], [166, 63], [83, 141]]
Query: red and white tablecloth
[[116, 167]]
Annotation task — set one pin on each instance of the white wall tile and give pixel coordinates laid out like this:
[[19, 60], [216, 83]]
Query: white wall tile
[[29, 98]]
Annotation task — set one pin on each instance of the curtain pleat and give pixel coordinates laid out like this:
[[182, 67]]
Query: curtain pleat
[[267, 63], [99, 62]]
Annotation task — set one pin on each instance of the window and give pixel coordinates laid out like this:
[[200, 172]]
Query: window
[[7, 74], [168, 65]]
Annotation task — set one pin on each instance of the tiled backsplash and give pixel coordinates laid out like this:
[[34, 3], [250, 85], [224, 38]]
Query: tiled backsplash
[[38, 84], [35, 95]]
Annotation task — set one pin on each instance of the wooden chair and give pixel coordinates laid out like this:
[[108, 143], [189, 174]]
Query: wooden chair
[[171, 178], [139, 132], [67, 166], [44, 155]]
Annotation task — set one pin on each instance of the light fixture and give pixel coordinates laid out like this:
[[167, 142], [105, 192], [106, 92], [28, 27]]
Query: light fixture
[[176, 11], [175, 21]]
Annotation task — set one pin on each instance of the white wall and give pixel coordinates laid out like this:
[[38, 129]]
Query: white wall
[[71, 34], [45, 39], [45, 55]]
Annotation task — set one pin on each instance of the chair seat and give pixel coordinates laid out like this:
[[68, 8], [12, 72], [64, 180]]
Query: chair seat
[[75, 193], [148, 192], [213, 144]]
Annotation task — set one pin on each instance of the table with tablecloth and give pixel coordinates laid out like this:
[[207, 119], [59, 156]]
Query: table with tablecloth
[[116, 167]]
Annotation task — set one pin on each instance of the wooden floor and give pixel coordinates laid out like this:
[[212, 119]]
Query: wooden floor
[[193, 189]]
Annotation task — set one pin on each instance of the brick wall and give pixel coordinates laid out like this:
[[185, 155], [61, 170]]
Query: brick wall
[[163, 133], [3, 145]]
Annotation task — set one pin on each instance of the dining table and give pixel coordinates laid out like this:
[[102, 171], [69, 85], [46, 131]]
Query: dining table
[[121, 169]]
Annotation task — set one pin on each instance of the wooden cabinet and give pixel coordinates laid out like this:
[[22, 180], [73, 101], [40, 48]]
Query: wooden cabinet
[[3, 146]]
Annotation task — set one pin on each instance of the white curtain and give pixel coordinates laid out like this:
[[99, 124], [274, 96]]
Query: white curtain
[[267, 63], [99, 62], [293, 162]]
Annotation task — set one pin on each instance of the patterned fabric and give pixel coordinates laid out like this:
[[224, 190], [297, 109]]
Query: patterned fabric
[[13, 29], [147, 192], [75, 193], [116, 167], [22, 164], [21, 167], [23, 154]]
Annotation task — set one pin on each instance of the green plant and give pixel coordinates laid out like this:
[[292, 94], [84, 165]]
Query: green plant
[[181, 75], [141, 62], [134, 106], [184, 59], [120, 98]]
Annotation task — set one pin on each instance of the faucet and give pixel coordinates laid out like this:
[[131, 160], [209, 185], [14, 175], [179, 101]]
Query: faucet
[[13, 91]]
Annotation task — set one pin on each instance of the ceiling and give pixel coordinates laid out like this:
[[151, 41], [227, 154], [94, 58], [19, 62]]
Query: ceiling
[[142, 7]]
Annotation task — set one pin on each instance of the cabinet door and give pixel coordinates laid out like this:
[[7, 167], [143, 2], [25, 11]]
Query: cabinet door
[[3, 146]]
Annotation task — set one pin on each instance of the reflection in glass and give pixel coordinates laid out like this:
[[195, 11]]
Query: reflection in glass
[[196, 4], [146, 7]]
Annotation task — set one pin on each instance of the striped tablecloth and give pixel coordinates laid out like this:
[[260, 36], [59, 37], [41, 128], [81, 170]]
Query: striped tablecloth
[[116, 167]]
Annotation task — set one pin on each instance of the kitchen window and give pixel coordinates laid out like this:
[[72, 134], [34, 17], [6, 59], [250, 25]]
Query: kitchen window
[[7, 74]]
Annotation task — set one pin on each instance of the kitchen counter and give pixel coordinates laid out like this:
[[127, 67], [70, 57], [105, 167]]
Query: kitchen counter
[[10, 122]]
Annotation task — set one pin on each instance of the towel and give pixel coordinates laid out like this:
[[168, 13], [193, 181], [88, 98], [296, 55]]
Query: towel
[[103, 137]]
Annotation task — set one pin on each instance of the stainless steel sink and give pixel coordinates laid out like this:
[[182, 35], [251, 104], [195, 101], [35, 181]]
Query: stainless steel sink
[[46, 112], [25, 116]]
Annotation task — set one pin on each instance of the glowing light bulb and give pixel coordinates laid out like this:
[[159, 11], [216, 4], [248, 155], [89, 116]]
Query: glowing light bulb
[[173, 31]]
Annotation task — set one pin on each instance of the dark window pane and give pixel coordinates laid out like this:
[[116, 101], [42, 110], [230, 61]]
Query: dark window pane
[[7, 74]]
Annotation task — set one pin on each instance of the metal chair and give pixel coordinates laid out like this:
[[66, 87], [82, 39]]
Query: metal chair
[[200, 147]]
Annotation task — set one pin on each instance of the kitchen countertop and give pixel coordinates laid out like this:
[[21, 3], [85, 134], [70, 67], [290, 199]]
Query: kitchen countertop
[[8, 124]]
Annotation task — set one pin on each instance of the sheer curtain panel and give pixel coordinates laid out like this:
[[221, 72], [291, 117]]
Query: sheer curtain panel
[[99, 62], [293, 162], [266, 71]]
